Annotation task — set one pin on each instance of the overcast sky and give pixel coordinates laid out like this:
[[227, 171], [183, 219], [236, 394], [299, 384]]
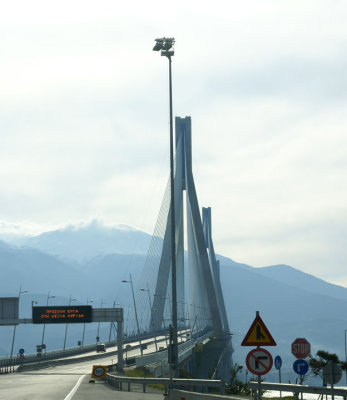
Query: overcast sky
[[84, 120]]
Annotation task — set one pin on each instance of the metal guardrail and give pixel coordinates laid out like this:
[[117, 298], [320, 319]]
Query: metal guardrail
[[161, 356], [298, 389], [117, 381], [8, 364]]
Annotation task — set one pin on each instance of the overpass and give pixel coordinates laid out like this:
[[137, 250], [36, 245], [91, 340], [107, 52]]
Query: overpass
[[206, 350]]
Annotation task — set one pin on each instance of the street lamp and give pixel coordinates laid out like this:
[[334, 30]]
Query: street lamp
[[70, 300], [137, 320], [150, 304], [44, 325], [164, 45], [15, 327], [84, 325]]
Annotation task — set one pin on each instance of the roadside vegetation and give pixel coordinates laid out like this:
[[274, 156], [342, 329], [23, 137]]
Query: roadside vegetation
[[236, 386], [321, 359]]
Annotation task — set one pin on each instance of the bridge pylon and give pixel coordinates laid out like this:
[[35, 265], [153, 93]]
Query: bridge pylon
[[203, 296]]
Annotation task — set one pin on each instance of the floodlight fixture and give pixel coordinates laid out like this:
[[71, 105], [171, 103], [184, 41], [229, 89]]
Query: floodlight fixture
[[168, 43], [159, 44], [164, 45]]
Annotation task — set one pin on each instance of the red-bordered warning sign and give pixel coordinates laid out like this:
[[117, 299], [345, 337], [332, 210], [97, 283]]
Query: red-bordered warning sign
[[258, 334], [259, 361]]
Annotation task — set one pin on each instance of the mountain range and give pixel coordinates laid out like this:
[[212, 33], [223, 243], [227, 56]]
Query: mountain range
[[89, 262]]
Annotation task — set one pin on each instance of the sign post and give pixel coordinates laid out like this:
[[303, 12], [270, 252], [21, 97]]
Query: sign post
[[332, 374], [278, 365], [258, 361]]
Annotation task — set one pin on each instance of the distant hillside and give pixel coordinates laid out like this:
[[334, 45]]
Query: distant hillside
[[36, 271], [292, 304], [288, 311], [301, 280], [84, 242]]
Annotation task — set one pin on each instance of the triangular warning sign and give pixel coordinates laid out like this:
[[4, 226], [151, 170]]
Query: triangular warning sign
[[258, 334]]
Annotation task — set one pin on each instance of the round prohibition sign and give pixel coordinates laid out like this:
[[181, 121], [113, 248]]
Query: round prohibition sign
[[259, 361], [99, 371]]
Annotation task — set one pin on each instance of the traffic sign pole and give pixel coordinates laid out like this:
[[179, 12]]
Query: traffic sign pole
[[278, 365], [258, 361], [332, 374]]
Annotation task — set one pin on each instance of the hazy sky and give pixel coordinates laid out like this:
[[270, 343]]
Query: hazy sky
[[84, 120]]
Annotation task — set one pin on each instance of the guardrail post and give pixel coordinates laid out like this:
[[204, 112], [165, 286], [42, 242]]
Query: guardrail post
[[221, 387]]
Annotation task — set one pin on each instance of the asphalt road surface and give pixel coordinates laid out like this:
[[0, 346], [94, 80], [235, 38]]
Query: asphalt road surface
[[66, 382]]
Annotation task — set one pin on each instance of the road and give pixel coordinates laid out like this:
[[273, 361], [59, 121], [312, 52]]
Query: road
[[66, 382]]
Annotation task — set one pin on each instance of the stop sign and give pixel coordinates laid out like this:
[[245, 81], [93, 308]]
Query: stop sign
[[301, 348]]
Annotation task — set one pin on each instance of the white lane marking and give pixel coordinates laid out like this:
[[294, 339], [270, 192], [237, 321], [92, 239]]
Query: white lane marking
[[74, 389]]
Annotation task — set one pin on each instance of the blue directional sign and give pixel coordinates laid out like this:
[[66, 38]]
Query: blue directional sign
[[278, 362], [21, 351], [300, 367]]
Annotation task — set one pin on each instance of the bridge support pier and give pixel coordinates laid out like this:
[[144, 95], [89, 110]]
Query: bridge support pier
[[210, 361], [120, 362]]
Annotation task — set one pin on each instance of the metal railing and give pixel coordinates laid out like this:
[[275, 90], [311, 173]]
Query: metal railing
[[8, 364], [118, 381], [184, 349]]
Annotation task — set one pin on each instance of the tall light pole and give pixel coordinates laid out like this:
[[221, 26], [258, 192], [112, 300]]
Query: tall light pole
[[70, 300], [44, 325], [346, 353], [150, 305], [164, 45], [137, 320], [15, 327], [84, 325]]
